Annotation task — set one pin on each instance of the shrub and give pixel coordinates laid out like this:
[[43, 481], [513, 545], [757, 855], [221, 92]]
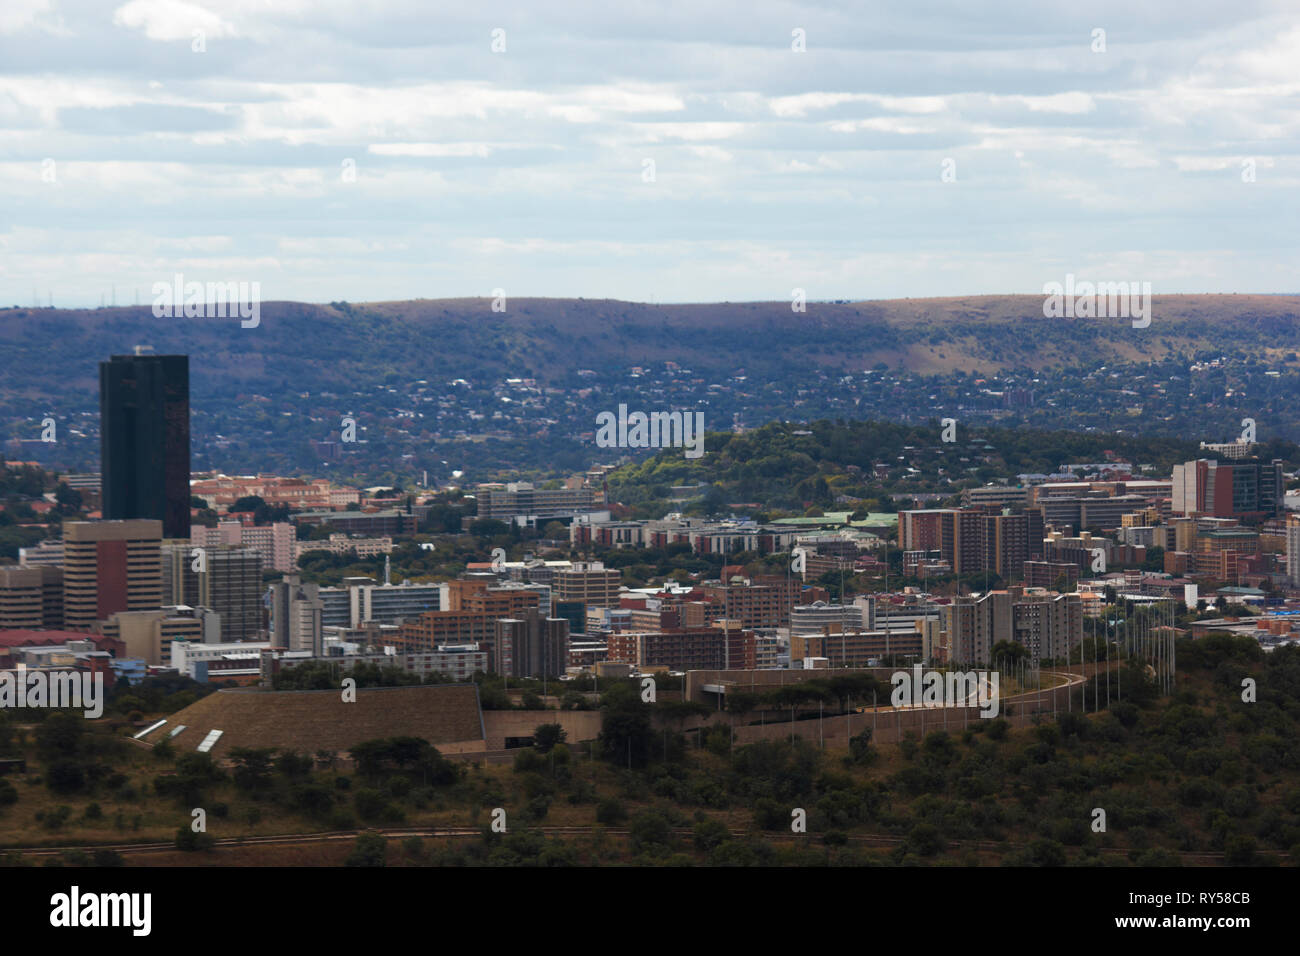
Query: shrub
[[717, 740], [860, 749], [54, 819], [369, 803], [710, 834], [529, 760], [312, 799], [66, 776], [371, 849], [650, 831], [1240, 801], [770, 815], [342, 819], [189, 841], [538, 807], [925, 840], [1047, 853], [611, 812], [1239, 850]]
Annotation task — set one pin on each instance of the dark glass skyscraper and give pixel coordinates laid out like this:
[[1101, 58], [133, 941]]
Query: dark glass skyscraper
[[144, 420]]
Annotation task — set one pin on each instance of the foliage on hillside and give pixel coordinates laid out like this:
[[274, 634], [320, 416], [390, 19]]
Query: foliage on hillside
[[1201, 777], [786, 466]]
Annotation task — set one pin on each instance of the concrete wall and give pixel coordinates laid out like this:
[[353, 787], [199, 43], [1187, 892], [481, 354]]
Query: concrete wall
[[500, 724], [889, 725]]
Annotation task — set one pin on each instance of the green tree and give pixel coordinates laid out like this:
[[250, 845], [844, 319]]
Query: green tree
[[546, 736], [650, 831], [370, 849], [710, 834], [190, 841], [610, 812], [625, 727], [59, 735], [252, 767]]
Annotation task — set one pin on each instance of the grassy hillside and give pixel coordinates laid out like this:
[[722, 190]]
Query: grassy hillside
[[342, 343], [1201, 778]]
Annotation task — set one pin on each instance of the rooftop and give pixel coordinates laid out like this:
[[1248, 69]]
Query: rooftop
[[311, 720]]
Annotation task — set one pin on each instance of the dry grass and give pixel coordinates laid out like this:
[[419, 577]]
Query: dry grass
[[308, 721]]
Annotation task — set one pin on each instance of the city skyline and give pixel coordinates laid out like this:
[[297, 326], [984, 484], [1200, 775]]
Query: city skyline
[[699, 434]]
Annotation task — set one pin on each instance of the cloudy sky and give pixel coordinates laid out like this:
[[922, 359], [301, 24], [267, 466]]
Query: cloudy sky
[[669, 151]]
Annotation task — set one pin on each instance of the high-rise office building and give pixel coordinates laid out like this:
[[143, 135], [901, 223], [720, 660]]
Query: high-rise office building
[[682, 649], [532, 645], [522, 499], [144, 409], [296, 610], [31, 597], [971, 540], [391, 603], [593, 584], [1046, 625], [468, 615], [1252, 490], [232, 586], [110, 566], [226, 579]]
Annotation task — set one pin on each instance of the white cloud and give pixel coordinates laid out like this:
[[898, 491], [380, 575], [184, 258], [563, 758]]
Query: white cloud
[[18, 15], [430, 149], [166, 20], [1056, 148]]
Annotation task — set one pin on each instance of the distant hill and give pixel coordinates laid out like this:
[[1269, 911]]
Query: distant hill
[[248, 384], [551, 338]]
